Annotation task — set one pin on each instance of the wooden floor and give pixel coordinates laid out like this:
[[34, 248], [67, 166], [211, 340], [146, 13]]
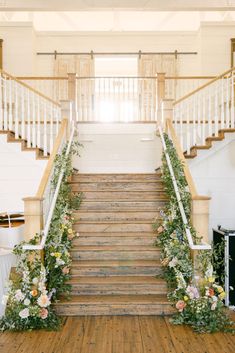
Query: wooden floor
[[117, 334]]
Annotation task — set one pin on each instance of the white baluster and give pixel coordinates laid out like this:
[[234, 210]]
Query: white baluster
[[232, 100], [216, 109], [28, 120], [16, 110], [39, 122], [51, 127], [1, 102], [188, 126], [22, 112], [194, 121], [210, 117], [45, 128], [227, 102], [5, 103], [10, 117], [33, 108], [222, 104], [203, 115]]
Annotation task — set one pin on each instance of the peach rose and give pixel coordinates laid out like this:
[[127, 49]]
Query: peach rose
[[160, 229], [180, 305], [43, 313], [65, 270]]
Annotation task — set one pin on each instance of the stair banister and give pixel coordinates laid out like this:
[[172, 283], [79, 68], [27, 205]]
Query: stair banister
[[200, 203], [45, 182]]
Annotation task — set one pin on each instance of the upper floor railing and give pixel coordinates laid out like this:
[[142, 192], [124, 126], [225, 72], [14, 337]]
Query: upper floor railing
[[205, 111], [116, 99], [28, 113]]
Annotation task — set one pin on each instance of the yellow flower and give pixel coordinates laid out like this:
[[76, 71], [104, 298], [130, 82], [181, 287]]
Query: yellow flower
[[57, 254], [70, 231], [185, 298], [222, 295], [211, 279], [220, 289]]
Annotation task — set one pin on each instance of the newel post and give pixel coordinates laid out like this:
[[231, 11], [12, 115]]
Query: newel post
[[33, 213], [167, 112], [200, 216]]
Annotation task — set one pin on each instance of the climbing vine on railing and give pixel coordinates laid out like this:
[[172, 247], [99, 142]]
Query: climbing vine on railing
[[198, 299], [41, 278]]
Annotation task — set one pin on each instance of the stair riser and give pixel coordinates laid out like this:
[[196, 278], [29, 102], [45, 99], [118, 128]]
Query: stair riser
[[115, 216], [118, 289], [126, 195], [113, 240], [121, 206], [116, 271], [109, 227], [115, 177], [132, 186], [116, 255], [130, 309]]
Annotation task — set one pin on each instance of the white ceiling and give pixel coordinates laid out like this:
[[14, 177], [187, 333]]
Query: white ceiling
[[117, 20], [103, 5]]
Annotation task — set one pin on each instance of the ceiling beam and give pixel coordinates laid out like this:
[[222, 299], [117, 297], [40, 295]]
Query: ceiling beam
[[125, 5]]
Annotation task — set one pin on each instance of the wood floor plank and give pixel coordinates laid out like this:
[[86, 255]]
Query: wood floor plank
[[117, 334]]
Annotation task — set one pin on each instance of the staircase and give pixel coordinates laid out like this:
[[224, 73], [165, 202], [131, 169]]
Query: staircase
[[115, 265]]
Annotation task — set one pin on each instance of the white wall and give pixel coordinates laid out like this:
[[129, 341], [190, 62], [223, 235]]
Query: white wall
[[118, 148], [20, 174], [214, 174]]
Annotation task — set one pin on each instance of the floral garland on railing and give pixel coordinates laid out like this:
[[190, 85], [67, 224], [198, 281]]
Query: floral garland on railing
[[197, 299], [39, 281]]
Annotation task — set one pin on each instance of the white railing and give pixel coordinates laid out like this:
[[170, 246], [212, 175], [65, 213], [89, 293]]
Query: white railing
[[50, 194], [55, 88], [29, 114], [178, 86], [116, 99], [202, 246], [205, 111]]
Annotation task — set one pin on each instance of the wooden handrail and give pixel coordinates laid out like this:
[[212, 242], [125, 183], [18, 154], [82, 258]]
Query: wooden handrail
[[204, 86], [48, 170], [29, 87], [93, 77], [188, 176]]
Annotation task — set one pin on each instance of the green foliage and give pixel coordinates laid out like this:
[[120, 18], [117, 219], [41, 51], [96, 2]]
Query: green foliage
[[192, 287], [36, 285]]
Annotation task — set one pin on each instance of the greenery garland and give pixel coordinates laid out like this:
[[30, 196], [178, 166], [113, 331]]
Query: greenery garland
[[36, 285], [197, 299]]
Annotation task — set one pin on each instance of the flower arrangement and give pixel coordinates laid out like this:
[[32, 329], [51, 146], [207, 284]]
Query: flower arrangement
[[37, 283], [193, 289]]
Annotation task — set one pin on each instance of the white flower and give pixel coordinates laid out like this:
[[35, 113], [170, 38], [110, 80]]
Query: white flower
[[24, 313], [214, 298], [173, 262], [59, 262], [43, 301], [26, 302], [213, 306], [41, 286], [209, 271], [19, 296], [35, 281]]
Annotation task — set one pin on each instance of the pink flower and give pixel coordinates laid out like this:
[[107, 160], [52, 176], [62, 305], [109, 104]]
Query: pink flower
[[65, 270], [43, 301], [160, 229], [180, 305], [192, 292], [43, 313]]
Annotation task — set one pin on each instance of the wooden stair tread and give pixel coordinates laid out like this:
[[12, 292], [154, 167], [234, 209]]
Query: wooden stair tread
[[115, 263], [114, 248], [114, 299], [117, 280], [117, 234], [115, 222]]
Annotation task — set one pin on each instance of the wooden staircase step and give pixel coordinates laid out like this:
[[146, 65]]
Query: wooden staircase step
[[103, 216], [116, 268], [121, 205], [115, 253], [116, 177], [124, 195], [114, 305], [117, 186], [117, 285], [126, 239], [116, 226]]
